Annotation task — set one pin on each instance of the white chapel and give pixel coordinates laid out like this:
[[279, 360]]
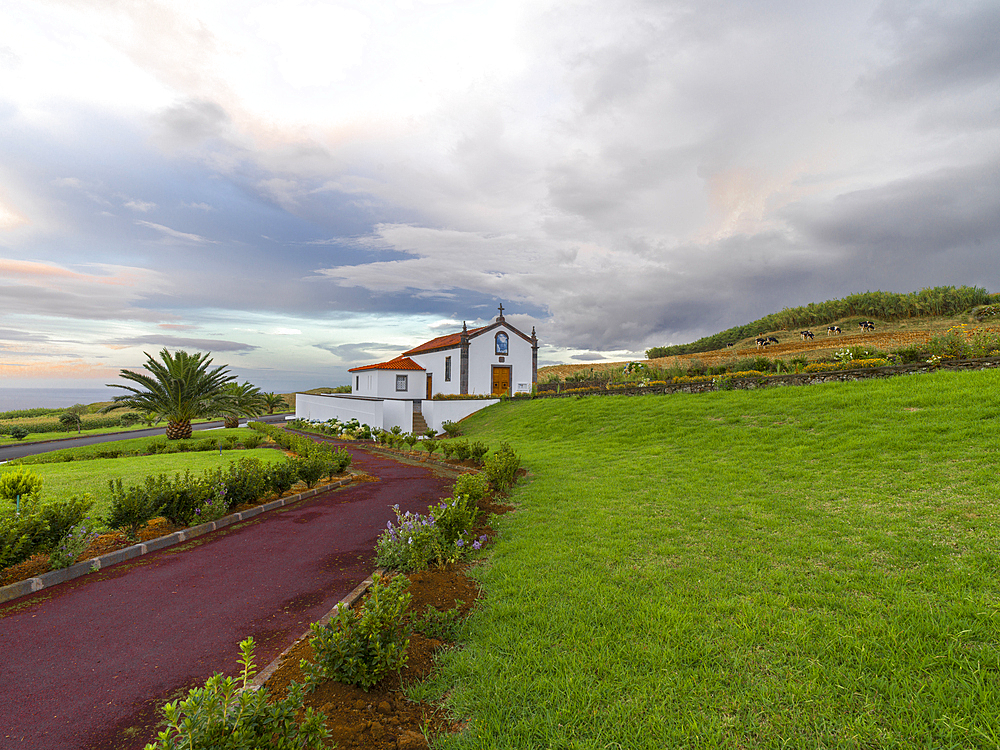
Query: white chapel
[[494, 360]]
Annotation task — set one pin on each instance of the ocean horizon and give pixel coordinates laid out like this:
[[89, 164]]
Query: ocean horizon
[[53, 398]]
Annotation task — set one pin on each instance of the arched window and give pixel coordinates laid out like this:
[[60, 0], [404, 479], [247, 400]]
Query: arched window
[[501, 340]]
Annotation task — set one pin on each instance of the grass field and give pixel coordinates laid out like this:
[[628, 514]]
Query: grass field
[[61, 480], [796, 567]]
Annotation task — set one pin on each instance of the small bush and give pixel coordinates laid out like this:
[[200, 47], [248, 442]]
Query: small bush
[[21, 483], [451, 429], [477, 450], [361, 648], [310, 469], [252, 441], [431, 446], [226, 714], [454, 517], [410, 440], [461, 448], [281, 476], [61, 517], [501, 467], [73, 544], [20, 538], [245, 480], [18, 433], [447, 448], [413, 544], [131, 508], [472, 486]]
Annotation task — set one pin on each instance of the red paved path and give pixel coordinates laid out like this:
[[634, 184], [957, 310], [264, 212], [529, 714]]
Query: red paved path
[[83, 661]]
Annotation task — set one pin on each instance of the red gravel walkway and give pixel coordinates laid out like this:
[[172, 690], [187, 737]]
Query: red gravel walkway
[[84, 661]]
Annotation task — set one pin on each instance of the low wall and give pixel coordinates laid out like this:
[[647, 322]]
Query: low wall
[[385, 413], [437, 413]]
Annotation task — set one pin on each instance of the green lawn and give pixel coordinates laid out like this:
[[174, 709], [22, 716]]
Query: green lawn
[[792, 567], [63, 480]]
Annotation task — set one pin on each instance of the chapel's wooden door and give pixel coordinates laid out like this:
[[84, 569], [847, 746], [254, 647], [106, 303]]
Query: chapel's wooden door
[[430, 390], [501, 381]]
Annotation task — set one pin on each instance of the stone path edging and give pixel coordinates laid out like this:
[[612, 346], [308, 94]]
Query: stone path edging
[[94, 564]]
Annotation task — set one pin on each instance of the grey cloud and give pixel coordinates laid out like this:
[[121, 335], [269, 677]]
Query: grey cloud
[[364, 352], [931, 213], [937, 47], [79, 305], [211, 345], [12, 334]]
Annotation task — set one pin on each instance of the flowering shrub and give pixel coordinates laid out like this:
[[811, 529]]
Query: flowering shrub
[[823, 367], [682, 379], [454, 517], [413, 543], [875, 362], [360, 648], [72, 545], [226, 714]]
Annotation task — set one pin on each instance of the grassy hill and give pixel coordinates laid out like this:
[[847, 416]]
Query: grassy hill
[[797, 567], [892, 332]]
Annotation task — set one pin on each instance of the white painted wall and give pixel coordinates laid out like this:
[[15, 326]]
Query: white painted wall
[[382, 383], [343, 407], [438, 412], [386, 413], [433, 362]]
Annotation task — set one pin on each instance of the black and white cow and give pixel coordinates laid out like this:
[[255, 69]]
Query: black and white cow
[[806, 335], [832, 329], [866, 325]]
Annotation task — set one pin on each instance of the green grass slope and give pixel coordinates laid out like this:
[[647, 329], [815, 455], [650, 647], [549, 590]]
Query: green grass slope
[[797, 567]]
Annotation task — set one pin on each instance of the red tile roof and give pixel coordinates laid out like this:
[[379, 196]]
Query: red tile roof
[[442, 342], [399, 363]]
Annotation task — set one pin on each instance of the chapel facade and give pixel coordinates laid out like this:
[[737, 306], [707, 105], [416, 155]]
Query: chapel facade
[[495, 359]]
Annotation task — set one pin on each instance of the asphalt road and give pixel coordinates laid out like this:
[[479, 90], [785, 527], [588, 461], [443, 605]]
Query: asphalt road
[[20, 450], [85, 662]]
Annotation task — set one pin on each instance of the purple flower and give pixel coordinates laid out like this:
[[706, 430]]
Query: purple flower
[[460, 543], [476, 545]]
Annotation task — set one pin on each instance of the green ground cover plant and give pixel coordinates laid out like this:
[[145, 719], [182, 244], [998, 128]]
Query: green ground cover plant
[[360, 647], [796, 567], [227, 714]]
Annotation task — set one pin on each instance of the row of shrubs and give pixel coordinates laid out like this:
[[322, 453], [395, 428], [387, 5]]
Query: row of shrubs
[[154, 447], [28, 528], [357, 646]]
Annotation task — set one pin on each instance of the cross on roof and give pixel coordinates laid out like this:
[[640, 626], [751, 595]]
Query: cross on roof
[[501, 309]]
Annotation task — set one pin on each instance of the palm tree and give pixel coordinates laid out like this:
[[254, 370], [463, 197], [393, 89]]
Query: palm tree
[[244, 400], [179, 388], [274, 401]]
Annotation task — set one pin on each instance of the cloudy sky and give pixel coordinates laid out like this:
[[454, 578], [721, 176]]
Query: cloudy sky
[[300, 187]]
